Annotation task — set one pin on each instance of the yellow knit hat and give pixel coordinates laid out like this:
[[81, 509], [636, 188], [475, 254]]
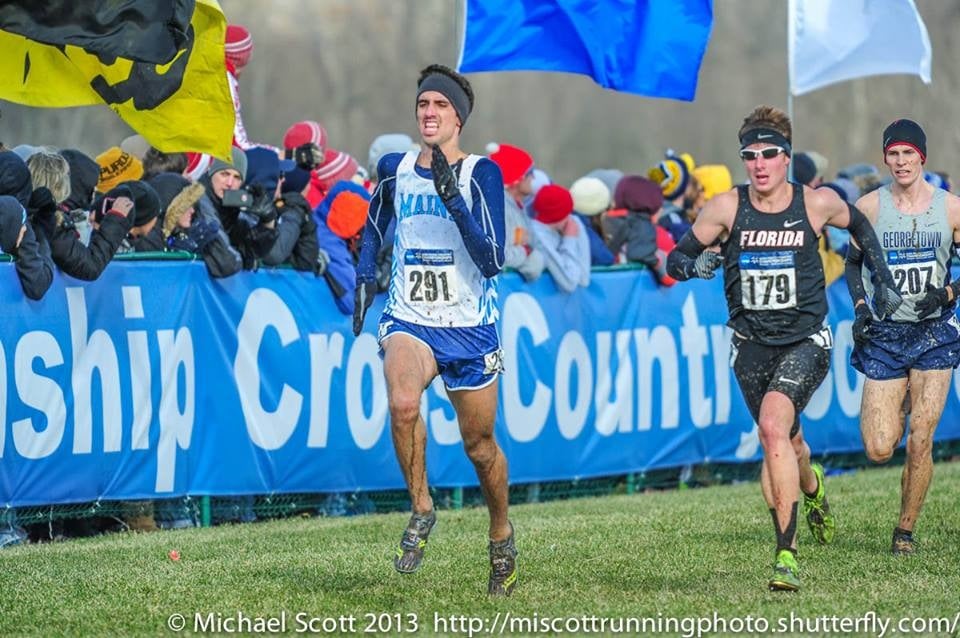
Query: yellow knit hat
[[715, 178], [116, 167]]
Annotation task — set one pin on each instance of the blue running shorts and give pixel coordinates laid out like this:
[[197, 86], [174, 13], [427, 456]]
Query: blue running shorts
[[468, 358], [895, 348]]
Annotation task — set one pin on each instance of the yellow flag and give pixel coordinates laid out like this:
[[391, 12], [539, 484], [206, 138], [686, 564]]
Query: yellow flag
[[184, 105]]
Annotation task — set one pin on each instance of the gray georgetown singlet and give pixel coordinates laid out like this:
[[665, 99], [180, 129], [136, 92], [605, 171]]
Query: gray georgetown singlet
[[917, 248]]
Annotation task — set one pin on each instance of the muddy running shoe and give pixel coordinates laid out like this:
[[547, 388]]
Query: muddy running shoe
[[822, 523], [902, 543], [786, 572], [410, 552], [503, 566]]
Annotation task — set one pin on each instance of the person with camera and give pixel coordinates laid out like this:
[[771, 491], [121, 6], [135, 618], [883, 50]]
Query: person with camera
[[79, 246], [296, 242], [144, 234], [247, 215], [110, 227]]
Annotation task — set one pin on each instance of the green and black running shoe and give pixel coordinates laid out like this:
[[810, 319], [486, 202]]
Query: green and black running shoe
[[902, 543], [822, 523], [410, 552], [503, 566], [786, 572]]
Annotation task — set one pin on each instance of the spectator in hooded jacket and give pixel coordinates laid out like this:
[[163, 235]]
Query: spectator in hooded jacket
[[184, 229], [34, 271], [341, 217], [34, 266]]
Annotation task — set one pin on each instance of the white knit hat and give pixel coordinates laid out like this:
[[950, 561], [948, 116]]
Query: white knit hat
[[590, 196]]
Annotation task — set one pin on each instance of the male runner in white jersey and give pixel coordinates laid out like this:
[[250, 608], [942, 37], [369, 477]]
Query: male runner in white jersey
[[919, 345], [441, 312], [773, 281]]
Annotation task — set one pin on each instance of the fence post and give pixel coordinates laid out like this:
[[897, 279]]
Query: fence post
[[205, 518], [458, 498]]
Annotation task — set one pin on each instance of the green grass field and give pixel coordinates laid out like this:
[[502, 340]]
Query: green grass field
[[665, 555]]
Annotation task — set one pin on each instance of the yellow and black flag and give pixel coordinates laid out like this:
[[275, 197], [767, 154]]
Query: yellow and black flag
[[158, 64]]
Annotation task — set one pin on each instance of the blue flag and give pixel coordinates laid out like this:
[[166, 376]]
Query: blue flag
[[648, 47]]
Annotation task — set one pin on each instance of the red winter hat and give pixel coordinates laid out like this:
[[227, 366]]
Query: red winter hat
[[303, 133], [348, 214], [197, 165], [514, 162], [238, 45], [552, 204], [336, 166]]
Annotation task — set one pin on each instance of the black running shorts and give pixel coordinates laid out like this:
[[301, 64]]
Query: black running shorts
[[796, 370]]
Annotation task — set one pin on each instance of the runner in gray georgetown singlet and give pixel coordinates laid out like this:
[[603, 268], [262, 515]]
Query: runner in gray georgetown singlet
[[918, 248]]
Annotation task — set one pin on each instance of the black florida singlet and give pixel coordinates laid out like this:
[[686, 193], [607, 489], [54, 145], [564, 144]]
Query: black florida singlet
[[773, 276]]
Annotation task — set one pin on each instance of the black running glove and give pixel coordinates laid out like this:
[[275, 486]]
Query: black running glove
[[444, 179], [934, 299], [861, 325], [363, 298], [705, 264], [886, 299]]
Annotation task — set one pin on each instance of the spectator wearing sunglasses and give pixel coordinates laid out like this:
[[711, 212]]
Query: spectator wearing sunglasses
[[773, 281]]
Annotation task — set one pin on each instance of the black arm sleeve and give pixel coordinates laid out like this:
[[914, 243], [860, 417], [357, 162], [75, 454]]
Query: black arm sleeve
[[483, 228], [863, 232], [681, 259], [852, 271]]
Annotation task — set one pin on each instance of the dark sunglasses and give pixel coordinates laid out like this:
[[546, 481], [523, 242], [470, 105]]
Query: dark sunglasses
[[767, 153]]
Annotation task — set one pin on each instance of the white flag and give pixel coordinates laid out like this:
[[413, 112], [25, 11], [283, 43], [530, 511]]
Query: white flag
[[835, 40]]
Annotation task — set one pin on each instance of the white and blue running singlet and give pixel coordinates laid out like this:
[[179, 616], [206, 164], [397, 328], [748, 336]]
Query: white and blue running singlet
[[434, 281]]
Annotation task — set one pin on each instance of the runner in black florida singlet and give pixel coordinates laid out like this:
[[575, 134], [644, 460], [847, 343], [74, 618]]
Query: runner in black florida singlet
[[773, 275]]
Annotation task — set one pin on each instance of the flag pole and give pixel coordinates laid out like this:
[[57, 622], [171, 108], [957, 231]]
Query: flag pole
[[459, 30], [793, 123]]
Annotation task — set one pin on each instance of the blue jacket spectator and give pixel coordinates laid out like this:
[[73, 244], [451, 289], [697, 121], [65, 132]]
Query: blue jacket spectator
[[340, 218]]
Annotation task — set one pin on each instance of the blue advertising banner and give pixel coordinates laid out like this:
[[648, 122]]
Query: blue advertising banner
[[156, 381]]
